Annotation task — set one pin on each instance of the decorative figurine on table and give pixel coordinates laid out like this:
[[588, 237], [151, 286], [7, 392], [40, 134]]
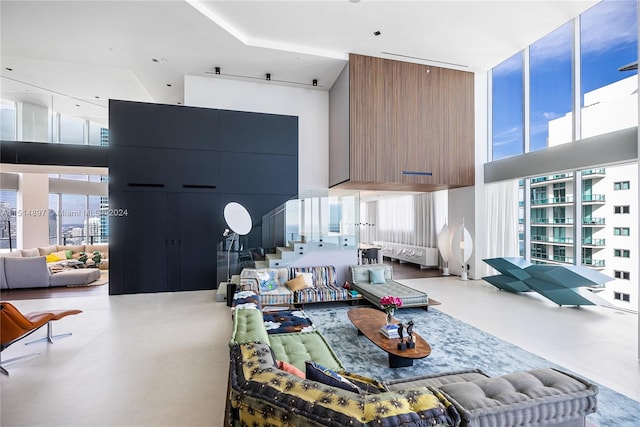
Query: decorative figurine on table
[[401, 344], [410, 342]]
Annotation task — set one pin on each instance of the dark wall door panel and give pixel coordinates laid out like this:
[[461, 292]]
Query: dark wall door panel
[[200, 229], [143, 242], [158, 125], [171, 168], [246, 132], [258, 173]]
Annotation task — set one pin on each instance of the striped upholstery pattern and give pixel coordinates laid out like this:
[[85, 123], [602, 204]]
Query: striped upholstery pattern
[[325, 287]]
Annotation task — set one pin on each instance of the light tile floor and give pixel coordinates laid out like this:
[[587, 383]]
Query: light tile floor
[[162, 359]]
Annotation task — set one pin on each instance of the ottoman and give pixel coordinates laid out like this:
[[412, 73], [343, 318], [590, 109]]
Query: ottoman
[[536, 398], [80, 276]]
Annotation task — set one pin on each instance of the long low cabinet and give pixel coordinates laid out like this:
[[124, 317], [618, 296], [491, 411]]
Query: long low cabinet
[[424, 256]]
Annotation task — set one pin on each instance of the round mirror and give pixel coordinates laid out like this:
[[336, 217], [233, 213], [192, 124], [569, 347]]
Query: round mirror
[[237, 218]]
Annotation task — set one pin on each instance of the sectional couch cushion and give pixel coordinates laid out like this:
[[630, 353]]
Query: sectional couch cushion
[[30, 272], [248, 326], [79, 277], [538, 397], [263, 395], [46, 250], [34, 252], [3, 277], [298, 347]]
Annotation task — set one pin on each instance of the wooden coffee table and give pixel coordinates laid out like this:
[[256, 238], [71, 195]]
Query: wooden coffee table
[[370, 320]]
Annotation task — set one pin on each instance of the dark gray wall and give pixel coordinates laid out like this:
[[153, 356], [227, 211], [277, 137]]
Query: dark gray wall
[[172, 169]]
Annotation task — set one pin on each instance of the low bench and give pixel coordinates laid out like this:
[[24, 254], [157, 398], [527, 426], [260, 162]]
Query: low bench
[[361, 281]]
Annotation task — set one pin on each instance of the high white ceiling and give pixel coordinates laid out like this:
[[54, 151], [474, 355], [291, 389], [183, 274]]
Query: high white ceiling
[[78, 54]]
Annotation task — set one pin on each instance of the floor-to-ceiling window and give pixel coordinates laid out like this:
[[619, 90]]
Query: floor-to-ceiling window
[[507, 112], [578, 82], [550, 85]]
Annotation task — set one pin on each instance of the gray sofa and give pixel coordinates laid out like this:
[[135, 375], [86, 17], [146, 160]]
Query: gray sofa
[[18, 272], [361, 276]]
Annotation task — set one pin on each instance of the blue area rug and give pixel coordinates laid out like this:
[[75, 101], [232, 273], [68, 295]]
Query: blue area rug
[[455, 345]]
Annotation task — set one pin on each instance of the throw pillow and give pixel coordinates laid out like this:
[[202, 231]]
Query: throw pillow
[[60, 254], [317, 372], [308, 278], [69, 253], [288, 367], [297, 283], [376, 276], [53, 258], [267, 281]]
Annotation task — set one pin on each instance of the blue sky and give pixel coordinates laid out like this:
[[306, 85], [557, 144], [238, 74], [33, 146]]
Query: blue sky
[[608, 41]]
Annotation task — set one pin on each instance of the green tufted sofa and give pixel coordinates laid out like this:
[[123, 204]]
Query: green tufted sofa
[[261, 394]]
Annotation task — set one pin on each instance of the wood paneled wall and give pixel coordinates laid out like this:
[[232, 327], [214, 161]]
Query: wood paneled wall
[[409, 117]]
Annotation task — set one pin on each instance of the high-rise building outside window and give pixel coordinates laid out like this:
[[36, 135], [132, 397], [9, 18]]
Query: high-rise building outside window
[[609, 86], [8, 220]]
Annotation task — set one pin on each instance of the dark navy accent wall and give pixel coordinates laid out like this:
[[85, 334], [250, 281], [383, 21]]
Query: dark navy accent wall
[[173, 169]]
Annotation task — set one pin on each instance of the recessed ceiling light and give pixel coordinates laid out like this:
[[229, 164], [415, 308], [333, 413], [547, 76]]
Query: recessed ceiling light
[[8, 68], [377, 33], [159, 61], [169, 85]]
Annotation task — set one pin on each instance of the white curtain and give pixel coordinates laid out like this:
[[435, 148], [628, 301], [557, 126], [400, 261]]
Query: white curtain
[[368, 217], [408, 219], [501, 222]]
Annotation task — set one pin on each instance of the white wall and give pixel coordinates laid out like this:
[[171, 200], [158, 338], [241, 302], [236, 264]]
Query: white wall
[[32, 210], [468, 203], [310, 105]]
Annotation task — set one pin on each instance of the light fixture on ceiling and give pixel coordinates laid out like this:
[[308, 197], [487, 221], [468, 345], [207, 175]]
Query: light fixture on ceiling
[[159, 61], [169, 85], [217, 70], [377, 33], [268, 76], [315, 82]]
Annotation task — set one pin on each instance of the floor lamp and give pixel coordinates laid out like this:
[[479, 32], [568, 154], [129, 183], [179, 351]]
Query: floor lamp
[[239, 222], [462, 246], [444, 246]]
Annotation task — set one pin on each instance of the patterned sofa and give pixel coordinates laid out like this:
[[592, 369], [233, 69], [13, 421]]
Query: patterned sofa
[[271, 285], [265, 392]]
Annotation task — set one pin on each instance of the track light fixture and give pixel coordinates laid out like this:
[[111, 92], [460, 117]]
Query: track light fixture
[[315, 82], [268, 76], [217, 70]]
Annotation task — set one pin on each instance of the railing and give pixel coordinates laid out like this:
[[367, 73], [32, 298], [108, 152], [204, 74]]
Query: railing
[[598, 171], [563, 259], [80, 240], [551, 178], [552, 200], [593, 242], [551, 220], [600, 263], [548, 239], [593, 221], [593, 198]]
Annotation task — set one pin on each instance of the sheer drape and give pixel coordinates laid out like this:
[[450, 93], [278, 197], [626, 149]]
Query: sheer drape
[[368, 218], [501, 222], [410, 219]]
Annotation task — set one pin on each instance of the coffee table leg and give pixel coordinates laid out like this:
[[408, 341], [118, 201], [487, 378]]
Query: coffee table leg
[[399, 362]]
